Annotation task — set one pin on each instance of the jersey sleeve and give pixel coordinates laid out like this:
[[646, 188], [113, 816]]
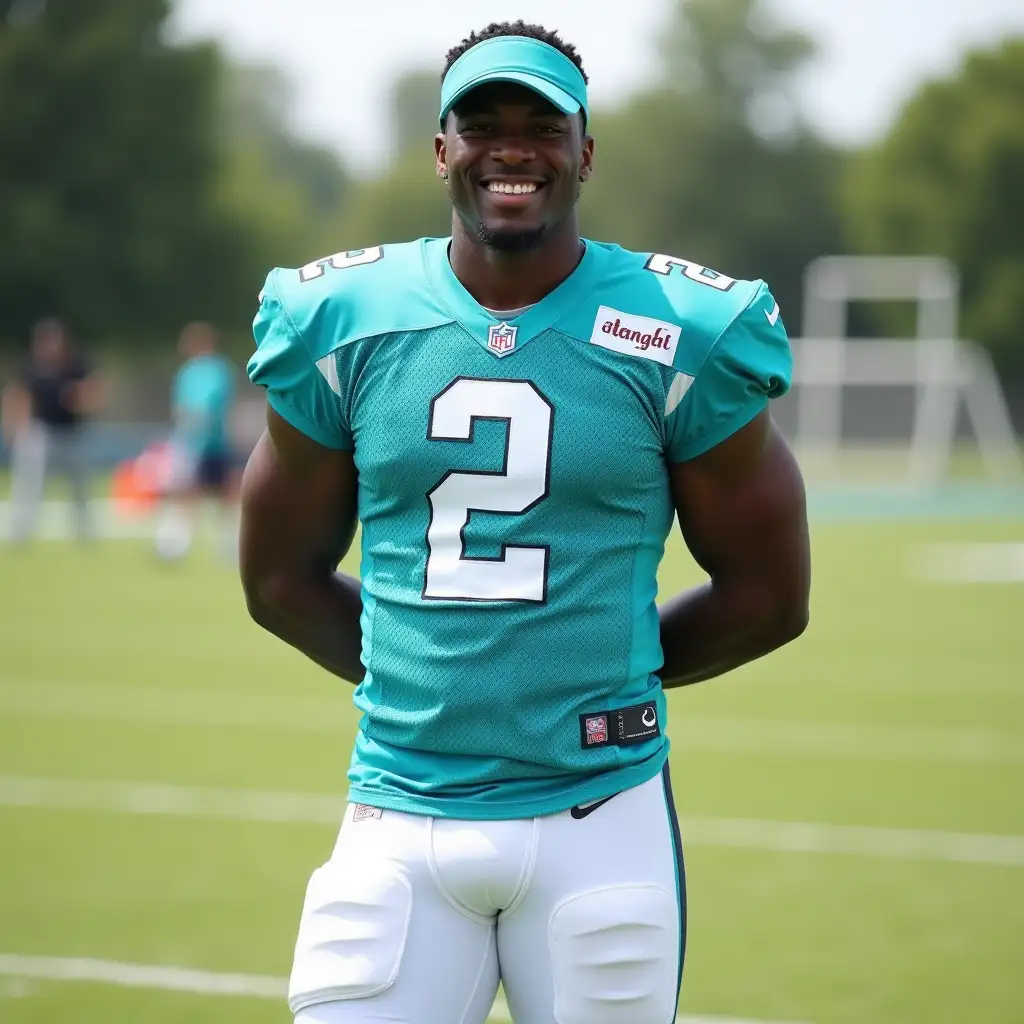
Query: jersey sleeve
[[749, 364], [296, 388]]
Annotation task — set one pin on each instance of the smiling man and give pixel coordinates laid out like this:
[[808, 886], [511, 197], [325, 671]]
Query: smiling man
[[514, 415]]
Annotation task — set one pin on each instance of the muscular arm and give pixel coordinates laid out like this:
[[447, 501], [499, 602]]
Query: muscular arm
[[742, 512], [298, 520]]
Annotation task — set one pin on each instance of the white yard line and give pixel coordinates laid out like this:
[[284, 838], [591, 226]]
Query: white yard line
[[326, 715], [184, 979], [112, 972], [165, 706], [976, 562], [55, 520], [310, 808]]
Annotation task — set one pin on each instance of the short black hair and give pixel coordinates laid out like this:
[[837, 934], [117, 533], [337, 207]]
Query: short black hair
[[514, 28]]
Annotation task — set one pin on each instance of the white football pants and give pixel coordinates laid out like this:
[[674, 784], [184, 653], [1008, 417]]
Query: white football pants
[[580, 915]]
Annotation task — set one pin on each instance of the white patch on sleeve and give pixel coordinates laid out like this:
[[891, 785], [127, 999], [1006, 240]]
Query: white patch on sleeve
[[328, 366], [635, 335], [680, 386]]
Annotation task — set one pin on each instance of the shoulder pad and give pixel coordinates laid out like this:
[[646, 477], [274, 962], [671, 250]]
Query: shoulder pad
[[698, 302], [357, 294]]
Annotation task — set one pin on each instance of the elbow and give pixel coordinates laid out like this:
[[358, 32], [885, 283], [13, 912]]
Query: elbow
[[258, 609], [262, 599], [259, 612], [790, 623]]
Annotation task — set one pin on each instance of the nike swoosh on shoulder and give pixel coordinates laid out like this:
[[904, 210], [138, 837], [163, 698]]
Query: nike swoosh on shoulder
[[582, 812], [773, 316]]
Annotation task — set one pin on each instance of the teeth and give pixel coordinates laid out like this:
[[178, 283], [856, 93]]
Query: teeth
[[508, 189]]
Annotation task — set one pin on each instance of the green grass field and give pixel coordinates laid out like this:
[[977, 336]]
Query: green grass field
[[843, 800]]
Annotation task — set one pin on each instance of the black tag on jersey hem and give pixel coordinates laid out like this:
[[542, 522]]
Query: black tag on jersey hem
[[621, 727]]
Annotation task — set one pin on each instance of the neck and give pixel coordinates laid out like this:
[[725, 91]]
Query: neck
[[510, 280]]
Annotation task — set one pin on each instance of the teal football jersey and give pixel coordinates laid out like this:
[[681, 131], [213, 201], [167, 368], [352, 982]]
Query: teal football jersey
[[514, 503], [201, 397]]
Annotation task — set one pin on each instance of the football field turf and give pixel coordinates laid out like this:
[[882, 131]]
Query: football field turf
[[852, 806]]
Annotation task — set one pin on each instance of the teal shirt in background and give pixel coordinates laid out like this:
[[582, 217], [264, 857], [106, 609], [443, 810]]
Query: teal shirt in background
[[514, 500], [202, 394]]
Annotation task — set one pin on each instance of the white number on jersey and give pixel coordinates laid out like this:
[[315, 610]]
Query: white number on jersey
[[660, 264], [520, 573], [341, 261]]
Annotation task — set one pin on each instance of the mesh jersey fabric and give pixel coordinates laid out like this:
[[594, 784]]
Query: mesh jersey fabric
[[513, 499]]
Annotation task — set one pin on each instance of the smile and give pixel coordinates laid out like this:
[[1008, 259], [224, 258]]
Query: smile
[[509, 189]]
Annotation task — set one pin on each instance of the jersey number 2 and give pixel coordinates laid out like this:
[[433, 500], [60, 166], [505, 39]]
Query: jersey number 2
[[518, 573]]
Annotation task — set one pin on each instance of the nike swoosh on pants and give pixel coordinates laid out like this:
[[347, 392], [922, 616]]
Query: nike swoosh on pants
[[582, 812]]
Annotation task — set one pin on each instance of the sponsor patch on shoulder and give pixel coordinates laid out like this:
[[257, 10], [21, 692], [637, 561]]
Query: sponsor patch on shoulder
[[635, 335]]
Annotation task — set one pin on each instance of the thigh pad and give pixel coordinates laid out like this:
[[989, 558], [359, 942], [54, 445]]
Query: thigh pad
[[353, 930], [615, 956]]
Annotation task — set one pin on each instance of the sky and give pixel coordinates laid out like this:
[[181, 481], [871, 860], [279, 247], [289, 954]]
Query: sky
[[342, 57]]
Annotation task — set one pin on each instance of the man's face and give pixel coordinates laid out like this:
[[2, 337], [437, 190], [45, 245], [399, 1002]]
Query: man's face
[[49, 345], [196, 339], [514, 164]]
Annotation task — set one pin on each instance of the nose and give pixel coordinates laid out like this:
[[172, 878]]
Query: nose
[[513, 150]]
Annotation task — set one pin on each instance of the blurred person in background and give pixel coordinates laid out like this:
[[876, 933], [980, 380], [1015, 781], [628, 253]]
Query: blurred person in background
[[45, 413], [201, 464], [515, 415]]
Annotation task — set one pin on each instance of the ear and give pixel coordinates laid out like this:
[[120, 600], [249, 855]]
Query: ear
[[587, 158], [441, 155]]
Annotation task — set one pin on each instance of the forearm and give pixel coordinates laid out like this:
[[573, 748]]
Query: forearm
[[714, 628], [317, 616], [14, 411]]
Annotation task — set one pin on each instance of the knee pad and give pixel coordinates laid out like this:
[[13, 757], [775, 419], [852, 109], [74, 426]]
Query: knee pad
[[352, 934], [615, 956]]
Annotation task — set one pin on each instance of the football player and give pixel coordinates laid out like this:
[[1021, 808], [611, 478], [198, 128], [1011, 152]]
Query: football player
[[514, 415]]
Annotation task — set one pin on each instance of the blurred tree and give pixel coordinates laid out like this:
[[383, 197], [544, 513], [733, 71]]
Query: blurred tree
[[414, 104], [143, 183], [949, 181], [733, 55], [106, 165], [715, 164], [406, 201], [284, 190]]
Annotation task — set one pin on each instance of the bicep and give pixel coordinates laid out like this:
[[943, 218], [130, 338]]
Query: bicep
[[298, 504], [742, 510]]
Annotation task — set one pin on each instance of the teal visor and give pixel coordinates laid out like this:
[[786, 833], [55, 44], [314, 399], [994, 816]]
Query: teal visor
[[529, 62]]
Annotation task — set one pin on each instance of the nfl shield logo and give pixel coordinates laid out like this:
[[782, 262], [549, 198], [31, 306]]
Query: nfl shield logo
[[597, 729], [501, 339]]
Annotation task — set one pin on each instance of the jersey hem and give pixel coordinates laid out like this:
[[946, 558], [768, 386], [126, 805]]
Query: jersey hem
[[608, 784], [724, 430]]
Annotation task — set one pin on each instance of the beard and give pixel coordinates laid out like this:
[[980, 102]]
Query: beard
[[518, 241], [510, 241]]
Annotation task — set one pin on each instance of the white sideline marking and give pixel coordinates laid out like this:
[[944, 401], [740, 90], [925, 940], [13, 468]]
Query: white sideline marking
[[989, 562], [111, 972], [327, 715], [55, 520], [323, 809], [184, 979]]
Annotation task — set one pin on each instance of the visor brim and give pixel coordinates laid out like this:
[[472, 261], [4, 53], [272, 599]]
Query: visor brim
[[556, 96]]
